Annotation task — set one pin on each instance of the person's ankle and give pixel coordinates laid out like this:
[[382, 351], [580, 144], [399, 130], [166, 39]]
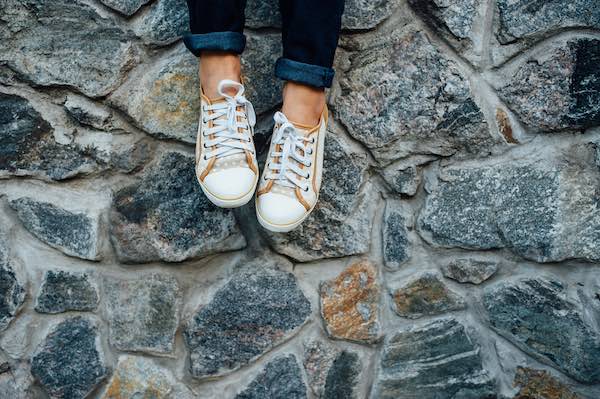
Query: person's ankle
[[302, 103], [216, 66]]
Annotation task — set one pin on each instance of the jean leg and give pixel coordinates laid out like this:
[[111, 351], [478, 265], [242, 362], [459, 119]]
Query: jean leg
[[310, 33], [216, 25]]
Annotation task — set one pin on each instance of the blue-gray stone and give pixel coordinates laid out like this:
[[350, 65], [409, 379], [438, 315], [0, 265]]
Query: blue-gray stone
[[166, 216], [164, 22], [63, 291], [468, 270], [126, 7], [281, 379], [69, 363], [438, 360], [396, 246], [74, 234], [536, 315], [12, 291], [28, 147], [257, 309]]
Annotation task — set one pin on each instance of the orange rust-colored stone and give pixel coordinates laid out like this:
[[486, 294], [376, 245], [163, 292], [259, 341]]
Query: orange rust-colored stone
[[350, 304], [504, 126], [539, 384]]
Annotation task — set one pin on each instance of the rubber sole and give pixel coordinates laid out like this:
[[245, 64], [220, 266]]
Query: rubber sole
[[282, 228], [223, 203]]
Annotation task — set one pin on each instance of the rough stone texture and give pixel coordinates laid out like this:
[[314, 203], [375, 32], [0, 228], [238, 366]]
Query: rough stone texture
[[558, 89], [261, 296], [88, 113], [28, 146], [164, 22], [125, 7], [404, 180], [280, 379], [406, 97], [12, 290], [87, 52], [536, 315], [73, 233], [539, 384], [143, 314], [358, 14], [425, 295], [62, 291], [165, 216], [138, 377], [542, 210], [521, 19], [340, 224], [468, 270], [331, 373], [15, 381], [70, 363], [350, 304], [435, 361], [396, 246]]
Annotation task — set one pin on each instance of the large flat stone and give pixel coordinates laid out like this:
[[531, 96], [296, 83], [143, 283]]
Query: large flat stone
[[281, 378], [70, 362], [164, 22], [74, 234], [542, 210], [257, 309], [143, 314], [436, 361], [402, 96], [62, 291], [523, 19], [536, 315], [12, 288], [558, 89], [64, 43], [165, 216], [340, 224], [28, 147], [350, 304]]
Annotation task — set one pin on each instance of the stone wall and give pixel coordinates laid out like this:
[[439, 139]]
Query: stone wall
[[453, 253]]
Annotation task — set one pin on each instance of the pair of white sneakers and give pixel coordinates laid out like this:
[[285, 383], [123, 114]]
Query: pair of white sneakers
[[227, 169]]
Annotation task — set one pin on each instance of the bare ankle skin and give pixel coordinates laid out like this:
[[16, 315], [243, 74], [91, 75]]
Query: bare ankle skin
[[216, 66], [303, 104]]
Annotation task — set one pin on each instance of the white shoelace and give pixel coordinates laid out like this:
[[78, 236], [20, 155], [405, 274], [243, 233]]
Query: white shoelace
[[294, 153], [230, 136]]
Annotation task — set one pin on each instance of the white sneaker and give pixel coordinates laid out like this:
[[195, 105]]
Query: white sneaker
[[226, 165], [289, 187]]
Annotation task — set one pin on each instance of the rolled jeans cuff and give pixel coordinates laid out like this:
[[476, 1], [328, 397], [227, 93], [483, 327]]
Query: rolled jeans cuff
[[215, 41], [309, 74]]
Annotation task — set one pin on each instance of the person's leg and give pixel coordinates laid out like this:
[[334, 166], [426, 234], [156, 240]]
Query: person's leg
[[217, 38], [310, 35]]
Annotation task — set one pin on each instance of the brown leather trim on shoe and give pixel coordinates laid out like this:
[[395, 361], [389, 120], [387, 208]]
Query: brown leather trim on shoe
[[250, 163], [301, 199], [209, 167], [266, 189]]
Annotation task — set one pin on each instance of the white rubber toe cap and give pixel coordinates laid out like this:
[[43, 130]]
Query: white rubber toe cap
[[230, 184], [278, 209]]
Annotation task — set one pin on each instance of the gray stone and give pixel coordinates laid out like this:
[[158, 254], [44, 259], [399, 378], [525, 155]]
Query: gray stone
[[340, 224], [269, 300], [558, 89], [15, 381], [469, 270], [281, 379], [28, 146], [143, 314], [12, 289], [358, 14], [523, 19], [436, 361], [63, 291], [74, 234], [88, 113], [403, 96], [164, 22], [125, 7], [402, 180], [396, 246], [331, 373], [542, 210], [89, 53], [165, 216], [70, 362], [536, 315], [425, 295]]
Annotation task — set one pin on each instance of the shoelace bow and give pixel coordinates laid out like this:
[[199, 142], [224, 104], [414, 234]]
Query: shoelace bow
[[293, 153], [227, 137]]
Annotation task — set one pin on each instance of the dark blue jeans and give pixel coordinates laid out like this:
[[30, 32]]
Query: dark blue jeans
[[310, 32]]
